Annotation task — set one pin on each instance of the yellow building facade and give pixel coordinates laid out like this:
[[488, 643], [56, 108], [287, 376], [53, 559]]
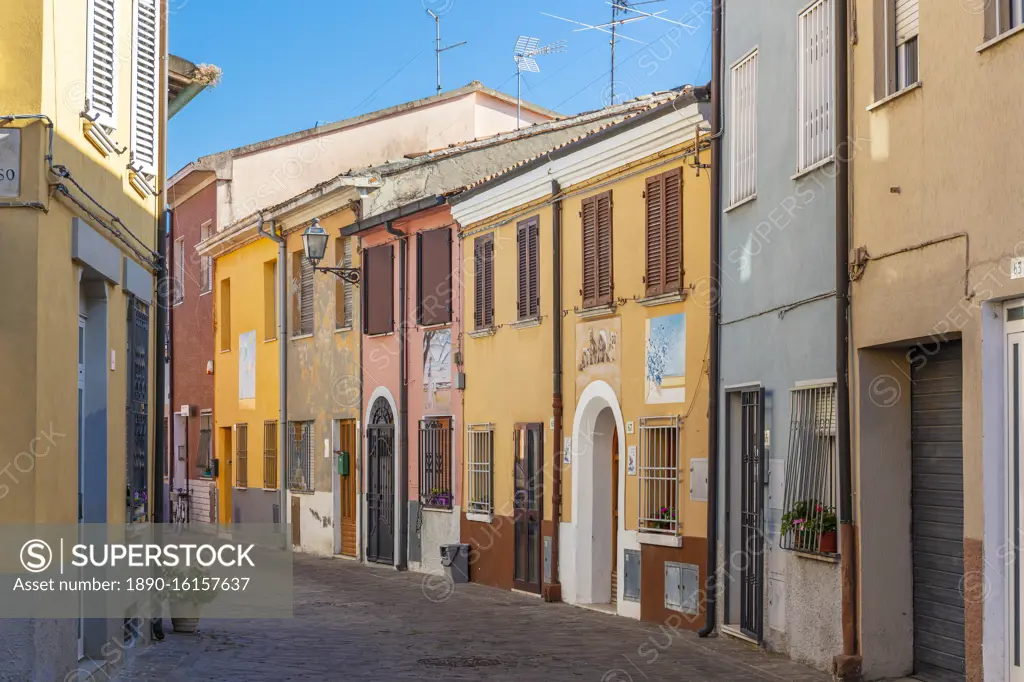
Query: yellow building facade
[[630, 447]]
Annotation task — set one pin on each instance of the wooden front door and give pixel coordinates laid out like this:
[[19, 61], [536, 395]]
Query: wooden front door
[[226, 475], [615, 516], [529, 506], [346, 446]]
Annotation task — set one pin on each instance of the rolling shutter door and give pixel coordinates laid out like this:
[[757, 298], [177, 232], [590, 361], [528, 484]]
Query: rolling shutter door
[[937, 512]]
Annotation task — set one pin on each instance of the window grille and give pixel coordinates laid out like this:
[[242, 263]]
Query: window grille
[[658, 473], [241, 455], [137, 416], [204, 455], [270, 454], [809, 518], [480, 461], [300, 456], [816, 84], [743, 147], [435, 439]]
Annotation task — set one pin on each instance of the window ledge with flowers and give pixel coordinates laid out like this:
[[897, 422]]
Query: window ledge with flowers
[[662, 531], [438, 500], [809, 528]]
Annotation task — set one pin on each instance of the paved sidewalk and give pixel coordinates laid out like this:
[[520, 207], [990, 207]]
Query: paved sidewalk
[[355, 622]]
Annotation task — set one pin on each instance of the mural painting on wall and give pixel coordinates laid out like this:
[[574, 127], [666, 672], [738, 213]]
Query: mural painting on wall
[[247, 369], [666, 359], [598, 355], [437, 371]]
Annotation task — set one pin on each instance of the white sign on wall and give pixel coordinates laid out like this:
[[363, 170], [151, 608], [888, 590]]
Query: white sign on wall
[[10, 163], [567, 450], [1017, 268], [631, 460]]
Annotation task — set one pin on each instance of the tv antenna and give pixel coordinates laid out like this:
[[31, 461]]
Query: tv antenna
[[438, 49], [525, 55], [620, 9]]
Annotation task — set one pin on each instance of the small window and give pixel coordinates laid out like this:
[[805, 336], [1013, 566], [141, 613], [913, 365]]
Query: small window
[[1002, 16], [664, 228], [435, 441], [224, 319], [270, 300], [204, 452], [809, 507], [378, 286], [270, 454], [527, 268], [483, 281], [743, 131], [596, 220], [896, 36], [817, 83], [303, 303], [658, 474], [480, 463], [300, 456], [205, 262], [178, 286], [434, 277], [241, 455], [344, 292]]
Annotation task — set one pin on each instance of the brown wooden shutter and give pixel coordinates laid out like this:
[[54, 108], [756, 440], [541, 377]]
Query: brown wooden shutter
[[589, 250], [533, 235], [306, 309], [673, 229], [605, 283], [434, 274], [379, 289], [654, 229], [489, 282], [478, 282], [523, 269]]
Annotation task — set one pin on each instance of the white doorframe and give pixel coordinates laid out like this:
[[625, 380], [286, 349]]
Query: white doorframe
[[1013, 320]]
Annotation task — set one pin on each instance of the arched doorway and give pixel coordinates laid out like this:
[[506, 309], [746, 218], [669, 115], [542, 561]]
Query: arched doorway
[[380, 489], [598, 494]]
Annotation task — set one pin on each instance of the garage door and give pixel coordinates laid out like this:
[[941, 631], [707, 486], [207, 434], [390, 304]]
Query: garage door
[[937, 508]]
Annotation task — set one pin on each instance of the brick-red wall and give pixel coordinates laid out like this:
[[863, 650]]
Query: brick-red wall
[[192, 320]]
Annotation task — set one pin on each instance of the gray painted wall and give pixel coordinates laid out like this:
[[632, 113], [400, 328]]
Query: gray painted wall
[[778, 251]]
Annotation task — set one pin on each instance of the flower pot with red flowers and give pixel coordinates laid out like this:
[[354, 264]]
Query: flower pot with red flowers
[[812, 527]]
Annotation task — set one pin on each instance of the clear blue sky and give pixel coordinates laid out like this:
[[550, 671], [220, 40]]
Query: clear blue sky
[[288, 65]]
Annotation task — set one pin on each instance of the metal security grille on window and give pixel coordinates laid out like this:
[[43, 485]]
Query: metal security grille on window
[[300, 456], [658, 473], [480, 461], [101, 59], [809, 517], [145, 90], [435, 438], [204, 454], [241, 455], [138, 407], [305, 297], [270, 454], [743, 147], [816, 84]]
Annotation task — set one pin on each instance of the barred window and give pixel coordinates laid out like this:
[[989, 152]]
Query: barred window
[[658, 473], [270, 454], [241, 455], [204, 454], [435, 439], [480, 463], [809, 513], [300, 456]]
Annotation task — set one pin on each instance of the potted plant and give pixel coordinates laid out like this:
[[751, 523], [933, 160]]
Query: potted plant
[[810, 521], [136, 505], [188, 589], [666, 515], [439, 498]]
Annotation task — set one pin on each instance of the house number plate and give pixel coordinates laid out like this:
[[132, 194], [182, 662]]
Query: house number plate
[[1017, 268], [10, 163]]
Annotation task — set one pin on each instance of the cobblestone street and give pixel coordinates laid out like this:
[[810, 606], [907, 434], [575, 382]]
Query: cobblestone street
[[358, 623]]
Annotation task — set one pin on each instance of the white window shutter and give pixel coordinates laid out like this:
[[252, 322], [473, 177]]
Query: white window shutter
[[816, 84], [101, 62], [906, 20], [145, 86]]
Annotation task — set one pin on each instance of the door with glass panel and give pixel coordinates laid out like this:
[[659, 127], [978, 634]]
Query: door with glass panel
[[1014, 326]]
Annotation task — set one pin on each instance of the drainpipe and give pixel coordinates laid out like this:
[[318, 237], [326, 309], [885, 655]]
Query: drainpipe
[[848, 665], [282, 372], [401, 561], [160, 380], [711, 572], [553, 590]]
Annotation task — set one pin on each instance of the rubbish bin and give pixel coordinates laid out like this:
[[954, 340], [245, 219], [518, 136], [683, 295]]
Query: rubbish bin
[[455, 559]]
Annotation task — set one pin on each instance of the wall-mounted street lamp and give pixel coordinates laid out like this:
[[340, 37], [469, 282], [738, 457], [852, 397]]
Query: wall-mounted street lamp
[[314, 242]]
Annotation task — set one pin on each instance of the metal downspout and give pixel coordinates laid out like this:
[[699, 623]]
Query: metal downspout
[[282, 372], [401, 561], [715, 307], [553, 590], [848, 665]]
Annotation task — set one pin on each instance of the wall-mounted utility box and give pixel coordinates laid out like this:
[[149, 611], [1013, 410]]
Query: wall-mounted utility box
[[343, 463], [460, 381]]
